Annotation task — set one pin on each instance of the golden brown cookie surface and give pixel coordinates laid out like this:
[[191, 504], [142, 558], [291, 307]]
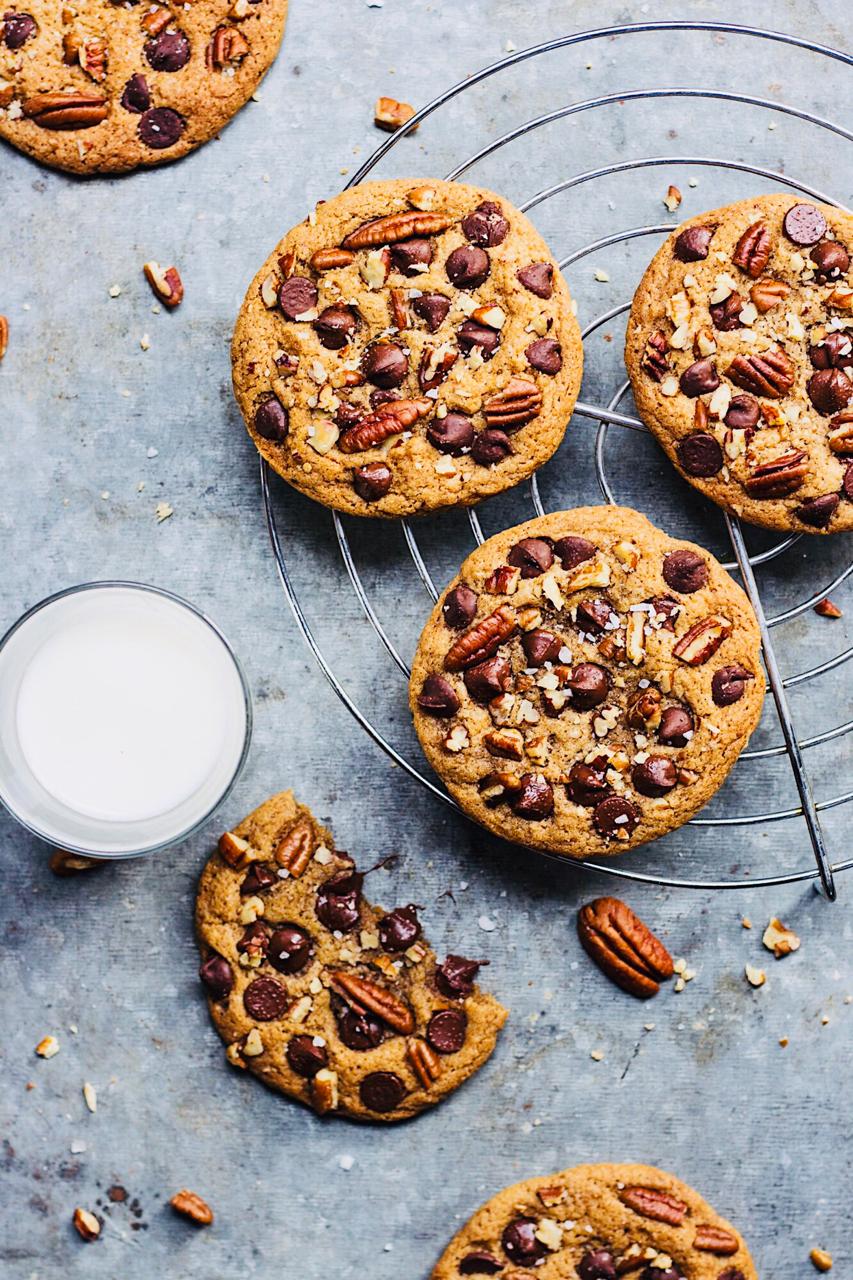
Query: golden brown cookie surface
[[411, 345], [334, 1002], [101, 87], [740, 353], [597, 1222], [586, 682]]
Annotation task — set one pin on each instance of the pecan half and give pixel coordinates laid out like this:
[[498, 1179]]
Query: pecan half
[[711, 1239], [366, 995], [227, 47], [394, 227], [434, 366], [481, 639], [388, 420], [654, 359], [702, 640], [649, 1202], [295, 849], [424, 1061], [752, 252], [770, 374], [778, 477], [623, 947], [331, 259], [193, 1207], [767, 294], [399, 310], [840, 438], [66, 110], [518, 403]]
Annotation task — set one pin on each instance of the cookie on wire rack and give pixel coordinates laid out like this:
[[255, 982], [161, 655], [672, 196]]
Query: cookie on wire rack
[[411, 345], [740, 353], [586, 682]]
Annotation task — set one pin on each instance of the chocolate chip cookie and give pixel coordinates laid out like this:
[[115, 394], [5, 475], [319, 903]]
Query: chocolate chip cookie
[[586, 682], [334, 1002], [103, 86], [411, 345], [740, 353], [597, 1222]]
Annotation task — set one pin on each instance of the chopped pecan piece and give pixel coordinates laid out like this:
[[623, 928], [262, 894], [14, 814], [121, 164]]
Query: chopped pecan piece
[[390, 115], [518, 403], [394, 227], [166, 285], [193, 1207], [92, 57], [66, 110], [227, 47], [623, 947], [702, 640], [4, 336], [767, 294], [436, 363], [363, 995], [481, 639], [295, 849], [711, 1239], [424, 1061], [778, 477], [644, 709], [324, 1091], [331, 259], [752, 252], [236, 851], [649, 1202], [508, 743], [654, 359], [770, 374]]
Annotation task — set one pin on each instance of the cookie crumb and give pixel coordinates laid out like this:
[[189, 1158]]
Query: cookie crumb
[[755, 977]]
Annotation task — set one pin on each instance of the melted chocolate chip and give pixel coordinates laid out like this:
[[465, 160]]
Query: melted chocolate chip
[[217, 976], [490, 447], [655, 776], [438, 697], [597, 1265], [830, 390], [743, 413], [480, 1263], [400, 928], [817, 512], [260, 877], [589, 684], [614, 816], [593, 616], [382, 1091], [804, 224], [446, 1030], [540, 647], [830, 259], [265, 999], [467, 267], [455, 978], [685, 571], [725, 315], [587, 785], [136, 96], [675, 726], [161, 127], [470, 334], [410, 255], [452, 434], [546, 355], [289, 949], [358, 1031], [372, 481], [728, 684], [488, 679], [533, 556], [432, 309], [297, 296], [271, 420], [335, 326], [305, 1057], [692, 244], [699, 378], [18, 28], [485, 225], [538, 278], [572, 551], [168, 51], [700, 455], [835, 352], [535, 800], [339, 901], [460, 606], [385, 364], [520, 1242]]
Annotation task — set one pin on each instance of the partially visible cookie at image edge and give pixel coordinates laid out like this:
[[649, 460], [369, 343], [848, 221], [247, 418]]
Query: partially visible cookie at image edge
[[103, 87], [598, 1222], [411, 345], [336, 1003], [740, 352]]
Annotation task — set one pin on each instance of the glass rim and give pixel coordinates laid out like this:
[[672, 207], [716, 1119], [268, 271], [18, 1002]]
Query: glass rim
[[164, 593]]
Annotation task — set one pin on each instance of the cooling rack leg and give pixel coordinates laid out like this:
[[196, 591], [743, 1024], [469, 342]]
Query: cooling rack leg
[[784, 712]]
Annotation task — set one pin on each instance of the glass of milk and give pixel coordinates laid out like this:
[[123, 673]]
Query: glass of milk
[[125, 719]]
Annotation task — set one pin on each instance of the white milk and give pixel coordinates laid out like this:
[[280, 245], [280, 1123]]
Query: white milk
[[123, 719]]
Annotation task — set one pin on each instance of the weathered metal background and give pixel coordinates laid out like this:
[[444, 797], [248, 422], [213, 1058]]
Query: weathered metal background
[[763, 1131]]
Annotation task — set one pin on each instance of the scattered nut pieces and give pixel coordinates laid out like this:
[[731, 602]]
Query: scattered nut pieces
[[87, 1225], [779, 939], [165, 284], [754, 976], [63, 863], [48, 1047], [821, 1259], [672, 199], [193, 1207], [389, 114], [827, 608]]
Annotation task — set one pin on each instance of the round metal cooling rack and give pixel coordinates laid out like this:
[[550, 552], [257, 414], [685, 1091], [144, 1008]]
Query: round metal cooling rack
[[611, 416]]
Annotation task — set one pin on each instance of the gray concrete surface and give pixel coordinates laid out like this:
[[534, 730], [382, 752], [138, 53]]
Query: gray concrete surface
[[763, 1131]]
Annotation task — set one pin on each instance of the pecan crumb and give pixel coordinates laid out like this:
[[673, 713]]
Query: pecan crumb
[[827, 608], [87, 1225]]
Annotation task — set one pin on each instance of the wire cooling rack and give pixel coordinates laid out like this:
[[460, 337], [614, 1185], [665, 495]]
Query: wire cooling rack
[[608, 418]]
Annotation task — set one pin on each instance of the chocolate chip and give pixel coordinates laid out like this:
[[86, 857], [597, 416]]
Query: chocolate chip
[[136, 96], [161, 127], [589, 684], [488, 679], [587, 785], [382, 1091], [655, 776], [271, 420], [467, 267], [446, 1030], [546, 355], [615, 815], [305, 1057], [676, 727], [296, 296], [372, 481], [728, 684], [289, 948], [830, 390], [451, 434], [385, 364], [700, 454], [699, 378], [540, 647], [17, 29], [804, 224], [725, 315], [168, 51], [685, 571], [535, 800], [835, 352], [455, 978], [217, 976], [817, 512], [358, 1031], [480, 1263], [667, 611], [743, 413], [520, 1242], [572, 551], [432, 308], [661, 1273], [533, 556], [258, 878], [438, 697], [265, 999], [460, 606], [593, 616], [731, 1273], [400, 928], [692, 244], [485, 225], [470, 335], [339, 901], [411, 254], [831, 260], [335, 326], [490, 447], [597, 1265], [538, 278]]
